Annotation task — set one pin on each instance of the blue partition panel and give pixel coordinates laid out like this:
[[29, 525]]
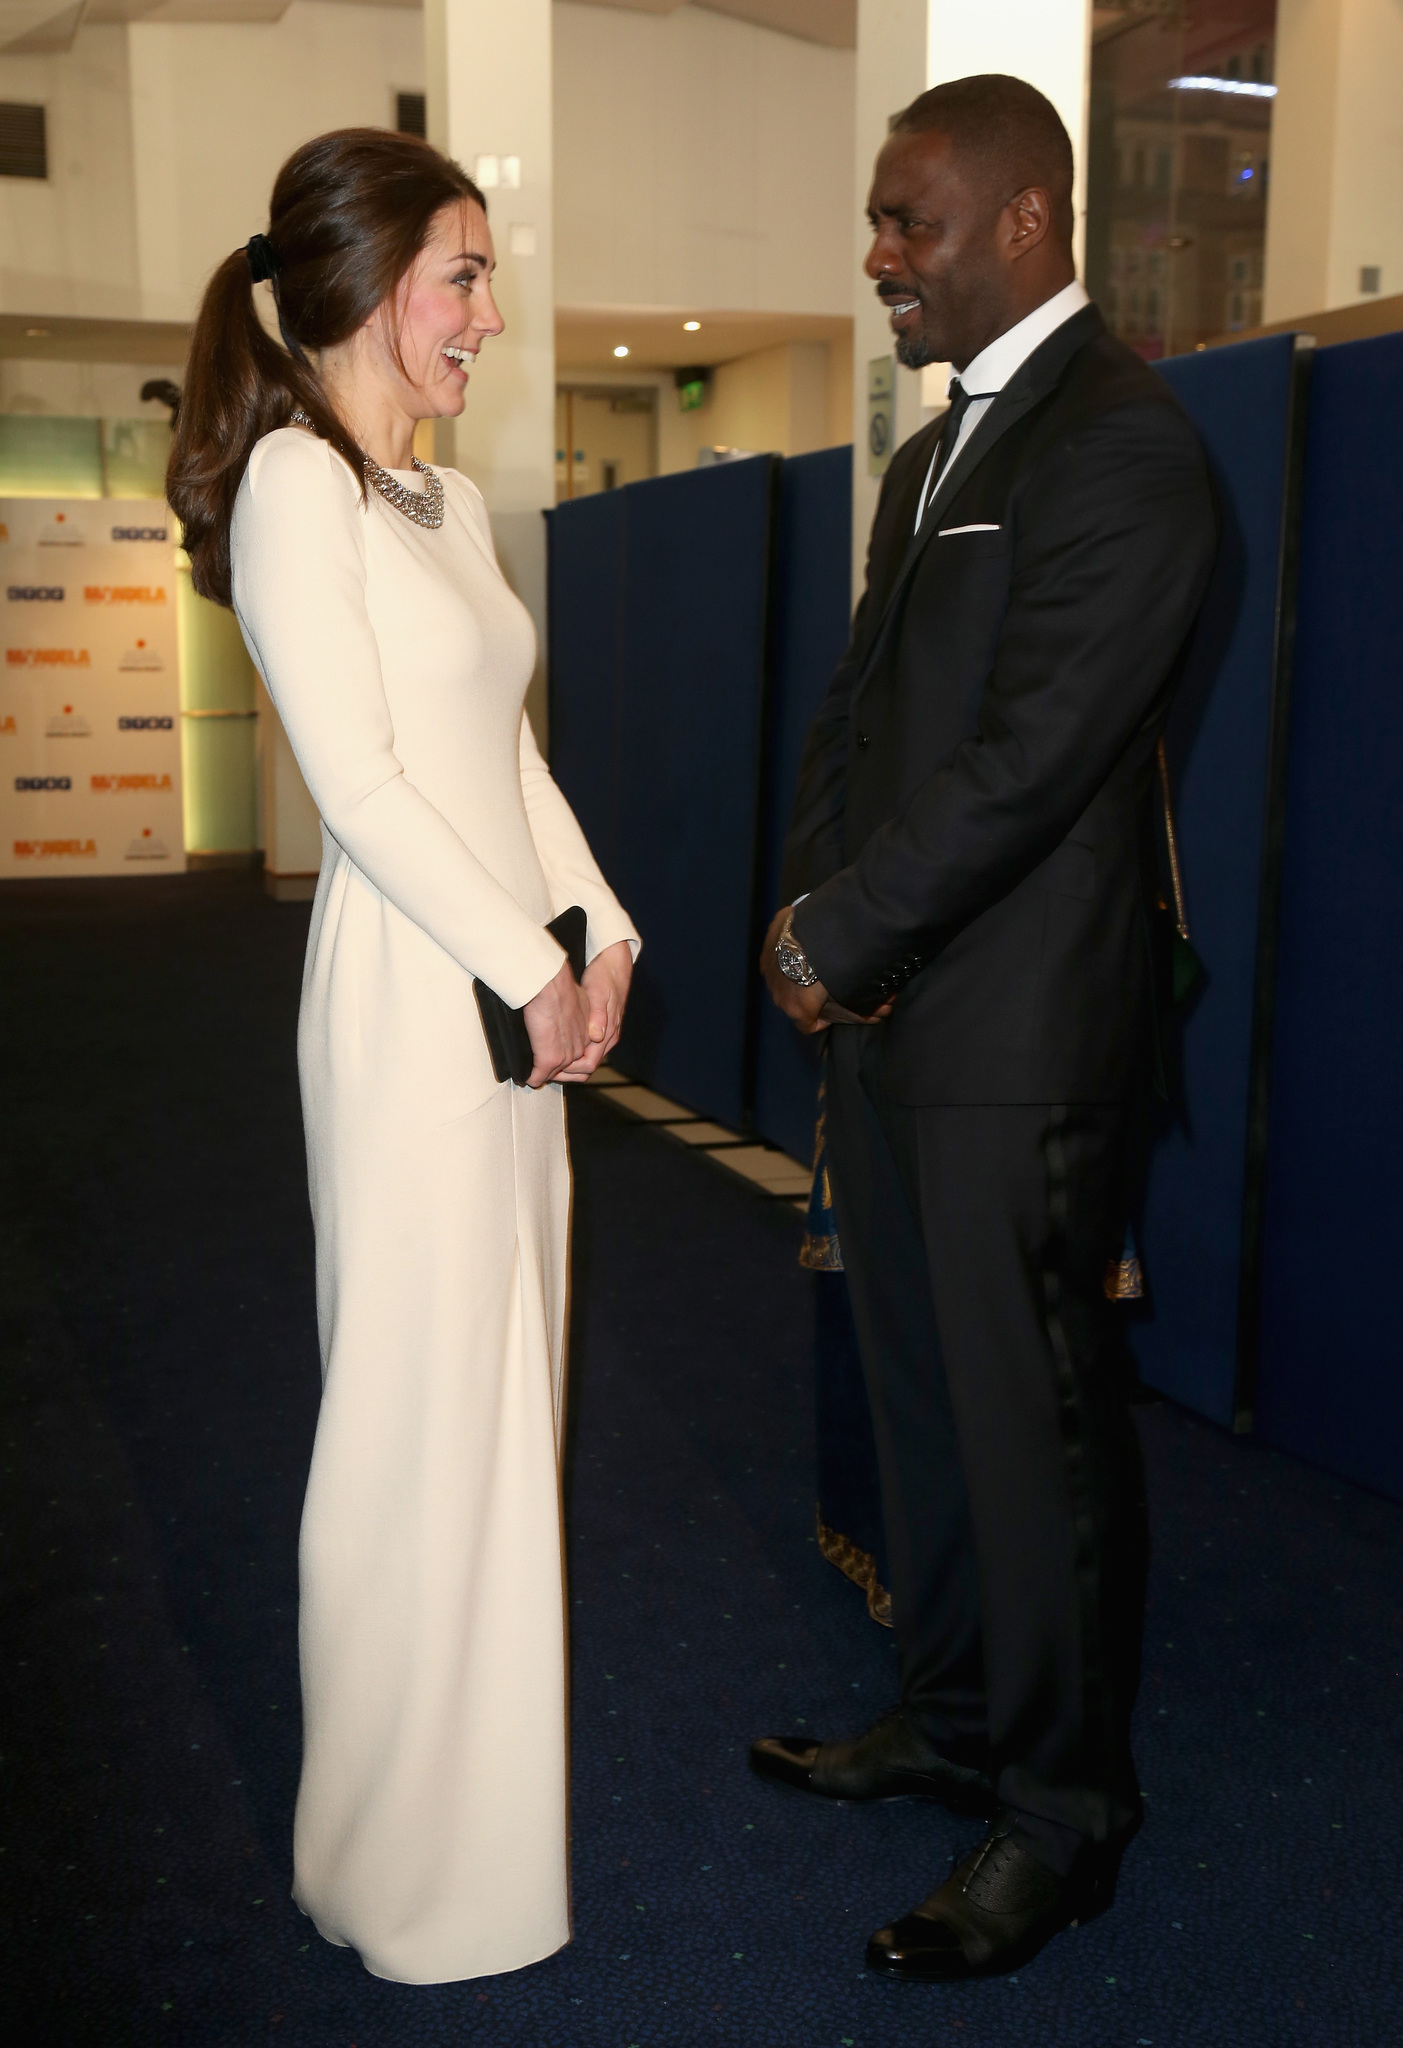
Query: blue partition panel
[[812, 617], [1331, 1383], [1224, 743], [658, 698]]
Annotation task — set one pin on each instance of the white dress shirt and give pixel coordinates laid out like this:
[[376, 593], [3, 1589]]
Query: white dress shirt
[[995, 365]]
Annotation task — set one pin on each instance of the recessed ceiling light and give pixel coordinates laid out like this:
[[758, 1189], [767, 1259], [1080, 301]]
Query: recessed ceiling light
[[690, 326], [620, 350], [37, 333]]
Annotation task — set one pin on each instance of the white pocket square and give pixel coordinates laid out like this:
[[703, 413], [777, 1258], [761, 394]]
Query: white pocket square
[[945, 532]]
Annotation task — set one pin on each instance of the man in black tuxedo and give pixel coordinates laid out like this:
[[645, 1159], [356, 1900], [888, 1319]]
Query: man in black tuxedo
[[969, 870]]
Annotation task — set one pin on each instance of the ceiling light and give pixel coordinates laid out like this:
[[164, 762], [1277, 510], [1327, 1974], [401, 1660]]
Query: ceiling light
[[620, 350], [37, 333], [1244, 87], [690, 326]]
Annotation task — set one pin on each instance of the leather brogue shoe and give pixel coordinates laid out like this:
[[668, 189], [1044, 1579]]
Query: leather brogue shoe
[[994, 1912], [889, 1761]]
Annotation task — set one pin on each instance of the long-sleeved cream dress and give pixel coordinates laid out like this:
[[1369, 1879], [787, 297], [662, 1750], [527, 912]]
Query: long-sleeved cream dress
[[431, 1816]]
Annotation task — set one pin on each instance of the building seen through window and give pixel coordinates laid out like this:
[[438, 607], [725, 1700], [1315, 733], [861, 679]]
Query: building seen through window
[[1179, 162]]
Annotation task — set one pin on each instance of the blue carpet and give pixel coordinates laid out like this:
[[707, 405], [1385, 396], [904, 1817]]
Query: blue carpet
[[159, 1394]]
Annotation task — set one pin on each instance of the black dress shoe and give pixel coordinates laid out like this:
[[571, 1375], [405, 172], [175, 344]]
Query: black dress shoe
[[889, 1761], [995, 1911]]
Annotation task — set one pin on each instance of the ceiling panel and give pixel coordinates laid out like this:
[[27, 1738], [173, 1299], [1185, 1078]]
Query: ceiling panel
[[586, 336], [43, 338]]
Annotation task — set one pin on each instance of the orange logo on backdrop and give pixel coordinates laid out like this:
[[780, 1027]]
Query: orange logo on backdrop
[[48, 657], [124, 593], [131, 782], [7, 723], [4, 531], [55, 849]]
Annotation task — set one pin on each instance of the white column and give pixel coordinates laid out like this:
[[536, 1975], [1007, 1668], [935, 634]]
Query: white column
[[488, 79], [1336, 156], [155, 116], [891, 71], [904, 46], [1048, 42]]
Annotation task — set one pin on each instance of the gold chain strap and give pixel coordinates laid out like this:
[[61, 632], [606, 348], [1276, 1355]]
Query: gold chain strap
[[1181, 923]]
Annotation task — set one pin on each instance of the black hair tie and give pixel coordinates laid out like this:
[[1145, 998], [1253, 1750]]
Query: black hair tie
[[264, 261]]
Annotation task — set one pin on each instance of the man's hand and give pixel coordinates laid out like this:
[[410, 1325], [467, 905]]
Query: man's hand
[[605, 989], [812, 1008]]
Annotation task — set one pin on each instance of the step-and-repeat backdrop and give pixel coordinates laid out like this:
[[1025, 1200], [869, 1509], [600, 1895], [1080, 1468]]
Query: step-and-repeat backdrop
[[89, 689]]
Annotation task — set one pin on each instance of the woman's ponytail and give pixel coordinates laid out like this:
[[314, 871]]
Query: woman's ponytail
[[239, 385], [350, 213]]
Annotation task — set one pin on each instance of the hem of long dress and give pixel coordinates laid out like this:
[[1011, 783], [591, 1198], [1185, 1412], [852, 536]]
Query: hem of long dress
[[450, 1977], [470, 1976], [335, 1940]]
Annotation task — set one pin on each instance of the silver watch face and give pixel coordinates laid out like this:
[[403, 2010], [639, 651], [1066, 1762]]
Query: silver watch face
[[794, 961]]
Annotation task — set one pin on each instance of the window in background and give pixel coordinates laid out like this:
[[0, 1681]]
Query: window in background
[[411, 114], [24, 144], [1180, 142]]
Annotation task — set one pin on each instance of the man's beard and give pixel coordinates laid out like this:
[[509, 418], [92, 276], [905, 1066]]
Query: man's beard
[[913, 351]]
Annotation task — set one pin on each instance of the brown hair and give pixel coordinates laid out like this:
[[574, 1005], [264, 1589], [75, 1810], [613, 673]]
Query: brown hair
[[350, 213], [1009, 130]]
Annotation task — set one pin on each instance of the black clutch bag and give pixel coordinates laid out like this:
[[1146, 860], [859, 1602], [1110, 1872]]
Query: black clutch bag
[[504, 1028]]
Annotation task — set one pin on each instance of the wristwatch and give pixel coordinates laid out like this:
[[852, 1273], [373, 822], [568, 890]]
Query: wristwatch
[[792, 960]]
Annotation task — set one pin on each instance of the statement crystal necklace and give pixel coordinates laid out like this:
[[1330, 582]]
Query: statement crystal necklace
[[424, 507]]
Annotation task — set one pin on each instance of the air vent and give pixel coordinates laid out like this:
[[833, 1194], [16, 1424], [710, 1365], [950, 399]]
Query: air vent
[[410, 115], [24, 151]]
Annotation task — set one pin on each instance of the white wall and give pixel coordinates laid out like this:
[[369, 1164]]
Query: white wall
[[1048, 42], [775, 400], [700, 162], [164, 140], [68, 242], [1336, 154], [218, 106]]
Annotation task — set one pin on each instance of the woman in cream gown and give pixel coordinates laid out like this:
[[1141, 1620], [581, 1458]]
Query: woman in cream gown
[[431, 1817]]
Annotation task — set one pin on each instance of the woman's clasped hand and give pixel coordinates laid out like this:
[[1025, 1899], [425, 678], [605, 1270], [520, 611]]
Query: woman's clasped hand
[[574, 1025]]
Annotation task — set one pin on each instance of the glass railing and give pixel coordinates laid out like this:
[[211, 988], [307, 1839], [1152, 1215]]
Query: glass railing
[[45, 456]]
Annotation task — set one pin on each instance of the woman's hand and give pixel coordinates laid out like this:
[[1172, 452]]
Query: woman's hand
[[558, 1025], [605, 989]]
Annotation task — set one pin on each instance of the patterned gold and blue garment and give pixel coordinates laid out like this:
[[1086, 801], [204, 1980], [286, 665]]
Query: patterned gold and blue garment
[[849, 1509], [820, 1251]]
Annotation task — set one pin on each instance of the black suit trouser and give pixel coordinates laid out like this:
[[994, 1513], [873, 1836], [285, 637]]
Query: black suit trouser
[[975, 1240]]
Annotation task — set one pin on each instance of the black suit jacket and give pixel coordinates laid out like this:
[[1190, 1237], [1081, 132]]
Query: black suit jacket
[[974, 818]]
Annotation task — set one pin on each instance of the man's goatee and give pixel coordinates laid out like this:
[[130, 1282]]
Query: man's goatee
[[914, 352]]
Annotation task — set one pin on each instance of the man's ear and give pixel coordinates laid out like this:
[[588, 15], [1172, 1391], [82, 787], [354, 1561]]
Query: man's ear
[[1028, 219]]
